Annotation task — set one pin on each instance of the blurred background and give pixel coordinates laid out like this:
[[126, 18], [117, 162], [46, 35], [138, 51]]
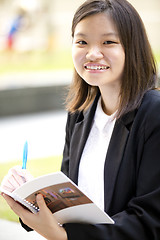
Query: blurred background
[[36, 68], [35, 71]]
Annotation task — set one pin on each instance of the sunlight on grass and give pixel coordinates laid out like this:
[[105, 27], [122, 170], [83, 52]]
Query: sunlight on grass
[[37, 168], [157, 58], [35, 61]]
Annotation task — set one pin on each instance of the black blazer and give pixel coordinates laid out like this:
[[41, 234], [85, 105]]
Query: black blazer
[[132, 172]]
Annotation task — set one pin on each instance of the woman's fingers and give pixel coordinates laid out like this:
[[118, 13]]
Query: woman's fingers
[[16, 207], [15, 178], [43, 222], [22, 172], [9, 183]]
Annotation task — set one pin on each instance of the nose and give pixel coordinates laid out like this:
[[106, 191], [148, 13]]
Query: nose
[[94, 53]]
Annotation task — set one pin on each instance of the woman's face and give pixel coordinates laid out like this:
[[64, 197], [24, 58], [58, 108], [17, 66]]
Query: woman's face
[[98, 55]]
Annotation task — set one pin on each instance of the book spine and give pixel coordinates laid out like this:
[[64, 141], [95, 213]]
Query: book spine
[[26, 203]]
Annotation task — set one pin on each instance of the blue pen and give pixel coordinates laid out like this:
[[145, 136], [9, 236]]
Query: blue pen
[[25, 153]]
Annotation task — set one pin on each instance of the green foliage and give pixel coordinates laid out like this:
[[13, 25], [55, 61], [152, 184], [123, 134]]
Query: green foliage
[[37, 168], [11, 62]]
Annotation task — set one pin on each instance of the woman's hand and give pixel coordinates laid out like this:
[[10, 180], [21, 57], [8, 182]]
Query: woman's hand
[[42, 222], [15, 178]]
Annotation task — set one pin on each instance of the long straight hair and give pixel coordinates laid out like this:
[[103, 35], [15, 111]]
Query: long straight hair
[[140, 72]]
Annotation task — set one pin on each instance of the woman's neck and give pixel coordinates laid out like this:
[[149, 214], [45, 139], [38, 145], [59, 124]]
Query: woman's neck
[[110, 101]]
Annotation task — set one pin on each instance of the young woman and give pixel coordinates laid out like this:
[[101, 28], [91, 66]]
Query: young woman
[[113, 128]]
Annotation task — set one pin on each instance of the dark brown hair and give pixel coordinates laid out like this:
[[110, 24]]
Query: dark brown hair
[[140, 73]]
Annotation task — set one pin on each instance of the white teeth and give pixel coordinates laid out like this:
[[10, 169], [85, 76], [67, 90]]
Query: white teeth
[[96, 67]]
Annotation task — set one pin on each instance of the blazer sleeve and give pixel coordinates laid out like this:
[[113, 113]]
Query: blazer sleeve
[[141, 217]]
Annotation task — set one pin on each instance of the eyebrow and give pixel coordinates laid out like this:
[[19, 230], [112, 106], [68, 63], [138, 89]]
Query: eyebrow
[[110, 34], [79, 34]]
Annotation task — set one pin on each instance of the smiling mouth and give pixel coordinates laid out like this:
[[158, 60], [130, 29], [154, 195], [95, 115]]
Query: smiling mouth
[[96, 67]]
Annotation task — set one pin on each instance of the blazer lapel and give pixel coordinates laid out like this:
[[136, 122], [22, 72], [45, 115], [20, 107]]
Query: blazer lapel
[[115, 154], [79, 138]]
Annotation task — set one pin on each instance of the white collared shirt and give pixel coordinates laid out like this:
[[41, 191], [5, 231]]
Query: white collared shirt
[[91, 168]]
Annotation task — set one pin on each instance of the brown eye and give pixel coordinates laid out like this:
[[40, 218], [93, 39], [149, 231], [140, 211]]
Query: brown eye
[[109, 42], [81, 42]]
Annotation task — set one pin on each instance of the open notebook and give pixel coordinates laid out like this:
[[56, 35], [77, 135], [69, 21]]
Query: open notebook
[[63, 198]]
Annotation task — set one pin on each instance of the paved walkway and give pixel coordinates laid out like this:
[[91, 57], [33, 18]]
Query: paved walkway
[[35, 79], [44, 132], [14, 231]]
